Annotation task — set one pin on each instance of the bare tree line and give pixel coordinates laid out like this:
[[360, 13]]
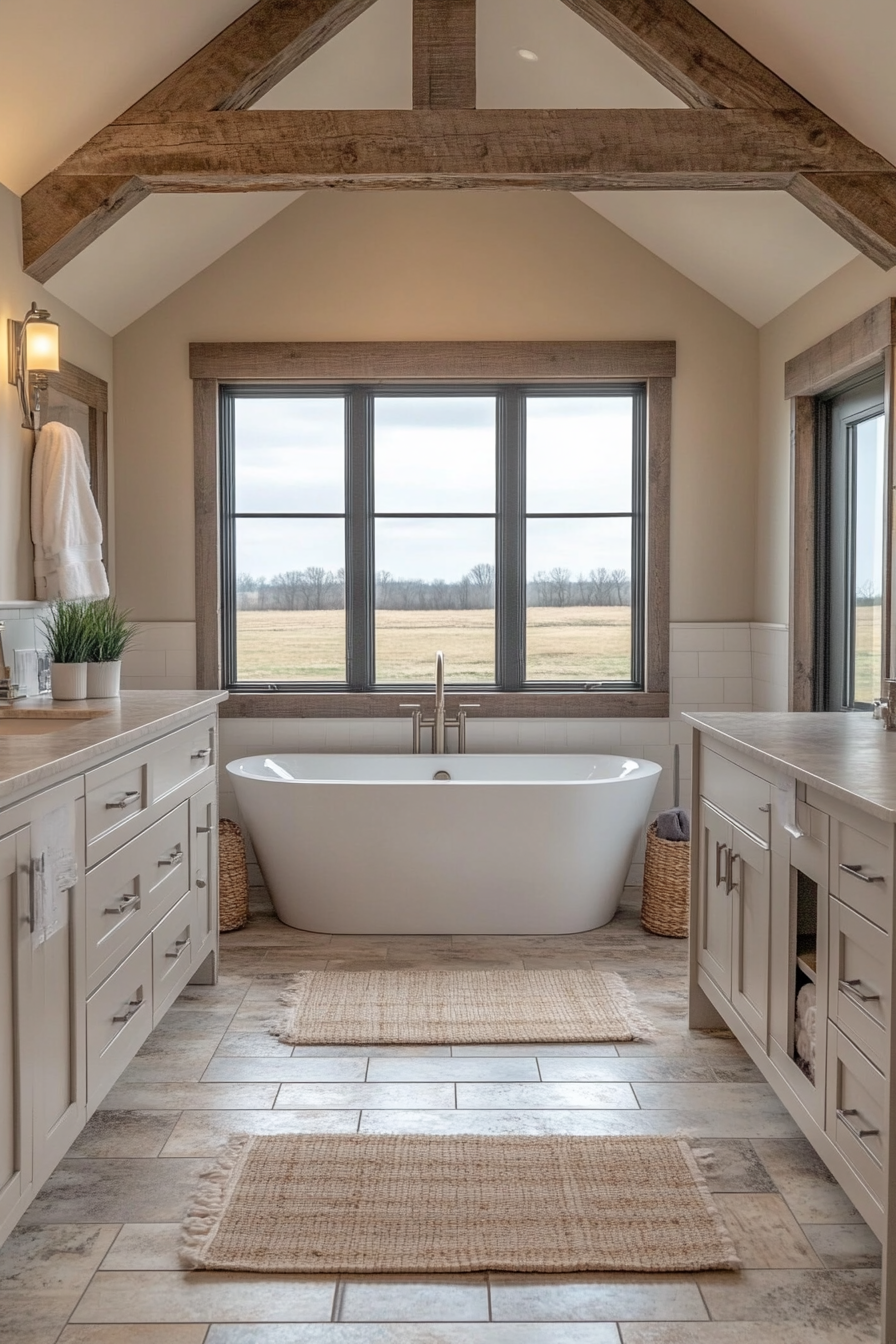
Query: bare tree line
[[318, 589]]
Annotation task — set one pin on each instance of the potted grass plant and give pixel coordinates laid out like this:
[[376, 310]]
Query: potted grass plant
[[66, 627], [109, 634]]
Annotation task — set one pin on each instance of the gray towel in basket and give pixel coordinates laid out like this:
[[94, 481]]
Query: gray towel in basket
[[674, 824]]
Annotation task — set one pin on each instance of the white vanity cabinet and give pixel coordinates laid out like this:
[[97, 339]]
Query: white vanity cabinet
[[733, 931], [791, 886], [108, 907], [43, 1087]]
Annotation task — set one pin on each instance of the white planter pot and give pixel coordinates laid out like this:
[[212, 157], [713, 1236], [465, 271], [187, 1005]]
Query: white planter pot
[[103, 680], [68, 681]]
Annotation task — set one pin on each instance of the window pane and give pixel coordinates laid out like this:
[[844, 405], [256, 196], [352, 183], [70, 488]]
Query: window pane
[[869, 563], [578, 599], [579, 454], [435, 590], [290, 598], [434, 454], [290, 454]]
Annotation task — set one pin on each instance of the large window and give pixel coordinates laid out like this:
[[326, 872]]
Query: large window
[[851, 513], [364, 528]]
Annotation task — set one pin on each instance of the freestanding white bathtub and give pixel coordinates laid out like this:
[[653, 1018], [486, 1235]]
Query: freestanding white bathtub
[[509, 844]]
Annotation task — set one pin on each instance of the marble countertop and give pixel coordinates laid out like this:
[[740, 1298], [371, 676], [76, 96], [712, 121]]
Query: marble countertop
[[849, 756], [102, 728]]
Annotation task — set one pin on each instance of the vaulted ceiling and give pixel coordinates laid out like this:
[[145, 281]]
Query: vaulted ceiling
[[757, 251]]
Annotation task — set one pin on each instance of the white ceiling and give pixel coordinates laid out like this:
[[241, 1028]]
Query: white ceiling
[[755, 251]]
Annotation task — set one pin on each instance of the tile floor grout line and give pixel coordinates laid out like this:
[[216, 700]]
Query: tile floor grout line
[[338, 1297]]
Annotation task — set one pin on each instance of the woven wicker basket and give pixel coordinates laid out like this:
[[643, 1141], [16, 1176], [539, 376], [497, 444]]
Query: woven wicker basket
[[233, 877], [667, 886]]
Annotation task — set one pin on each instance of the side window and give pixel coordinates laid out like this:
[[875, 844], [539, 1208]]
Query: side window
[[852, 485]]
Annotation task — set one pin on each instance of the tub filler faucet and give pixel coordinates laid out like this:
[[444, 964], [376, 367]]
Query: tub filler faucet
[[438, 723]]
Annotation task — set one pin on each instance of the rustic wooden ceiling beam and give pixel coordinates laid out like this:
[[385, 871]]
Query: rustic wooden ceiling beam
[[230, 73], [683, 49], [283, 149], [444, 53]]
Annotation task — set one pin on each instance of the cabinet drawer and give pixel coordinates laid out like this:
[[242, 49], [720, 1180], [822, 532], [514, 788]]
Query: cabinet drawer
[[172, 951], [857, 1119], [859, 993], [119, 1019], [117, 799], [130, 891], [183, 756], [862, 873], [738, 793]]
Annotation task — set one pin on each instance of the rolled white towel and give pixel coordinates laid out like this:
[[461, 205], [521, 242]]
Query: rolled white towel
[[809, 1019], [805, 1047], [805, 999]]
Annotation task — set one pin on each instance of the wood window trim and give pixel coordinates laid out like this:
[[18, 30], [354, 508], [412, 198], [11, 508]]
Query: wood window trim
[[434, 361], [867, 341]]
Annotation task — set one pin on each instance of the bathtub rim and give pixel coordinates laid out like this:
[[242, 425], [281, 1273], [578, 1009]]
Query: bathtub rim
[[646, 769]]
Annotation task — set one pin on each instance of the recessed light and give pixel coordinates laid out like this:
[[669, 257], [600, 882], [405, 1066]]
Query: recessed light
[[525, 54]]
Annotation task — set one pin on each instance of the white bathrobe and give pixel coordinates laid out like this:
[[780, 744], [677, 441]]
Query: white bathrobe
[[65, 525]]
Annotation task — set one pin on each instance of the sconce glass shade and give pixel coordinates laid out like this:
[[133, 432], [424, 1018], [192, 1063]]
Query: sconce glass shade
[[42, 347]]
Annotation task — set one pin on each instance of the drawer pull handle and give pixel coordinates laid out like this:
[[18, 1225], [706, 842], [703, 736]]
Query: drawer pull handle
[[172, 858], [855, 1130], [864, 993], [730, 884], [125, 800], [201, 754], [720, 850], [125, 903], [200, 883], [134, 1006], [180, 944], [204, 830], [855, 870], [765, 807]]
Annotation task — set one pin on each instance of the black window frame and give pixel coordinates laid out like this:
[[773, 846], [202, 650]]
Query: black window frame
[[859, 399], [510, 523]]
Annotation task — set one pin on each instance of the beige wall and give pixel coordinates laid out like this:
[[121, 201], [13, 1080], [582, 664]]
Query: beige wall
[[81, 343], [449, 265], [845, 295]]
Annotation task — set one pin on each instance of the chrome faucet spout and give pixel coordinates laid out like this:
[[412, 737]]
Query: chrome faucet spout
[[438, 718]]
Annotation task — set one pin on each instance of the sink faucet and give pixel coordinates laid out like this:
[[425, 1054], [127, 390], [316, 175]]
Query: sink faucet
[[438, 723]]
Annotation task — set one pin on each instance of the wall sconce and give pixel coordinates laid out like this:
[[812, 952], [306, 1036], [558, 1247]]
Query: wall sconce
[[33, 353]]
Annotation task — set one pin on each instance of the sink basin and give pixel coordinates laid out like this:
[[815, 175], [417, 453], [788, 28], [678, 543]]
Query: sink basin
[[28, 722]]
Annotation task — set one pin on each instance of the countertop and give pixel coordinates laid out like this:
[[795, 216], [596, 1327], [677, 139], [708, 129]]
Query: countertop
[[120, 725], [849, 756]]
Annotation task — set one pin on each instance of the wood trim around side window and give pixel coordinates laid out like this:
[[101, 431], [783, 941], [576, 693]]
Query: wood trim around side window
[[436, 361], [867, 341]]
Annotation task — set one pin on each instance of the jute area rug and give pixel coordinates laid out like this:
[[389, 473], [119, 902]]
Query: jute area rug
[[376, 1204], [453, 1007]]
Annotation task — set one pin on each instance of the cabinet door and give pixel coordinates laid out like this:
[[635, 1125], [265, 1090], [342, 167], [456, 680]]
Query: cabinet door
[[204, 865], [714, 921], [15, 1047], [750, 882], [59, 1082]]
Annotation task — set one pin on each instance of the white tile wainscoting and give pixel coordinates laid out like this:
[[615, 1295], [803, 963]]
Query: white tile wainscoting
[[22, 628]]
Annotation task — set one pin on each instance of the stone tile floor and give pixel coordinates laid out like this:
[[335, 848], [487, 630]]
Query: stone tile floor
[[94, 1260]]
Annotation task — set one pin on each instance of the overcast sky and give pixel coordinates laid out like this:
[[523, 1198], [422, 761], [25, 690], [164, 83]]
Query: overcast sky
[[432, 454]]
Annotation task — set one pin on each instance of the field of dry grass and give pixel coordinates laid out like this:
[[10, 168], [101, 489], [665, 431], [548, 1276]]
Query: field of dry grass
[[563, 643], [867, 654]]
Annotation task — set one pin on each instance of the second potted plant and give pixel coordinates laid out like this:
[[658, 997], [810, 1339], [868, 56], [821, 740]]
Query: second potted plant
[[66, 628], [109, 632]]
